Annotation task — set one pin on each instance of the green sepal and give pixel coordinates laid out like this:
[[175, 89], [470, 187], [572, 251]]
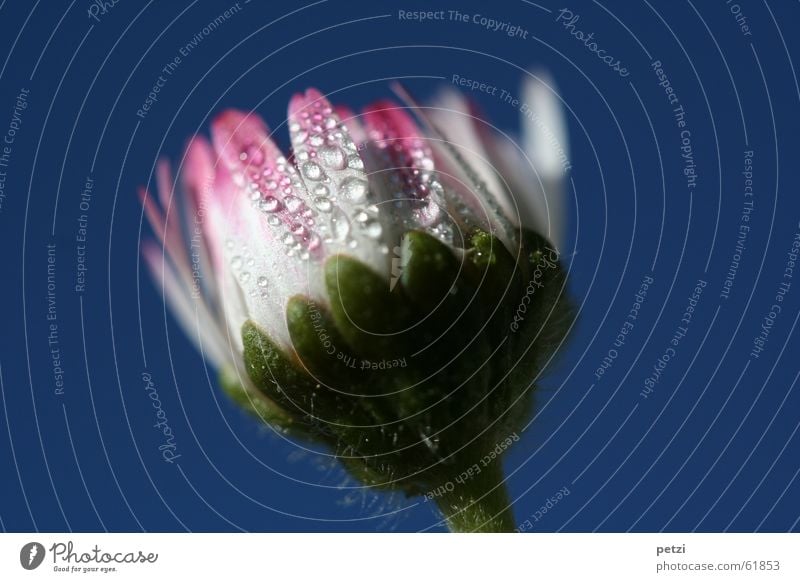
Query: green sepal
[[430, 270], [319, 345], [367, 313], [258, 404]]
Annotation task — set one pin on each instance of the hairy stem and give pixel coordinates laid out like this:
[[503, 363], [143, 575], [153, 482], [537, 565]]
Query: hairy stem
[[477, 503]]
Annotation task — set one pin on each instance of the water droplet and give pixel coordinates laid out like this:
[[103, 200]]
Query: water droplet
[[293, 203], [340, 225], [316, 140], [244, 277], [373, 229], [331, 157], [321, 190], [236, 262], [262, 281], [323, 204], [360, 216], [354, 189], [269, 204], [355, 162], [313, 171], [252, 153], [273, 220], [288, 239]]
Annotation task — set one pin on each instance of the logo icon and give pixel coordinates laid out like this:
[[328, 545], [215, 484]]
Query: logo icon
[[31, 555]]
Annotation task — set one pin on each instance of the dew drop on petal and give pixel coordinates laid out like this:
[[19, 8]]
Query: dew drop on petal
[[293, 203], [236, 262], [341, 225], [331, 157], [354, 189], [355, 162], [321, 190], [244, 277], [323, 204], [313, 171], [252, 154], [273, 220], [262, 281], [373, 229], [269, 204]]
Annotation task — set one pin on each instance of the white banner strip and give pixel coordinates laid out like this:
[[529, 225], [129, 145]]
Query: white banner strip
[[401, 557]]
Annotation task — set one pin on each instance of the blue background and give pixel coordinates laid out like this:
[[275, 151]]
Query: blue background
[[714, 447]]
